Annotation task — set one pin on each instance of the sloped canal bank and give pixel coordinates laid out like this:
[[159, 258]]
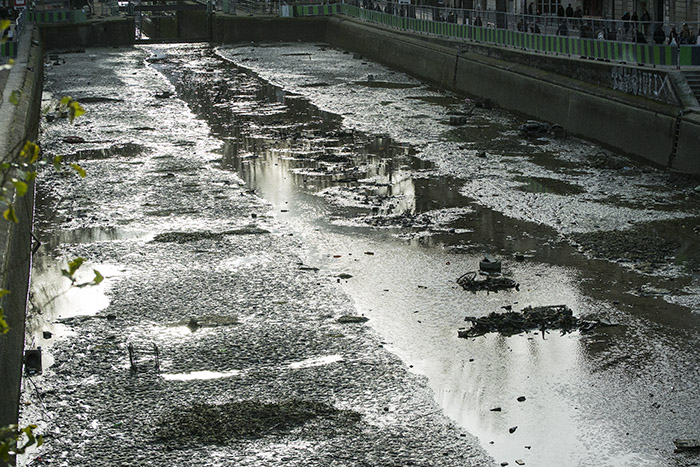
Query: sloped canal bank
[[383, 195]]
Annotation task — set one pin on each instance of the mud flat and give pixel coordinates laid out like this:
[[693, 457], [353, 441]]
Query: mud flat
[[268, 376]]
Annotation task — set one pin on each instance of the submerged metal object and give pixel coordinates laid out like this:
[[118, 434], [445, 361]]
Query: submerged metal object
[[492, 283]]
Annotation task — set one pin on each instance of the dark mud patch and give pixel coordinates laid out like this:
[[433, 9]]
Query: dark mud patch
[[445, 101], [658, 244], [385, 84], [548, 185], [118, 150], [97, 99], [201, 423], [187, 237], [208, 321]]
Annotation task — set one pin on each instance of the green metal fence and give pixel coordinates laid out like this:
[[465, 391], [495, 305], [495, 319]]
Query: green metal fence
[[613, 51]]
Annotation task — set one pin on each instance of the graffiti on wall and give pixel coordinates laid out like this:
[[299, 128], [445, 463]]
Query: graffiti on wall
[[649, 84]]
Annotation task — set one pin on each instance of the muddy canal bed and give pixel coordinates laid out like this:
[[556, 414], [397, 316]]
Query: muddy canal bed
[[268, 376], [265, 192]]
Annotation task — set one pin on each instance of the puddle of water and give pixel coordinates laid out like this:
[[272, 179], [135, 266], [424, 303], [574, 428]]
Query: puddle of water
[[548, 185], [317, 361], [200, 375]]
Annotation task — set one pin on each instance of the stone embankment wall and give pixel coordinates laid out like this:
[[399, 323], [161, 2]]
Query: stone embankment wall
[[19, 123]]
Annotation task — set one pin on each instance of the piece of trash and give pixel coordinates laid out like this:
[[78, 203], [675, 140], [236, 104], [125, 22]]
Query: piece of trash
[[192, 325], [47, 334], [164, 94], [369, 252], [534, 128], [496, 409], [457, 121], [32, 361], [542, 318], [490, 264], [512, 429], [73, 139], [686, 444], [352, 319], [520, 462], [521, 399], [503, 464], [469, 282], [344, 276]]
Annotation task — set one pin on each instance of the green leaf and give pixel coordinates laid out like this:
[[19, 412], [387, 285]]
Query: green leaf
[[65, 100], [20, 186], [4, 328], [4, 24], [57, 162], [30, 151], [98, 277], [10, 215], [73, 266], [4, 292], [75, 110], [30, 176], [80, 170], [14, 97]]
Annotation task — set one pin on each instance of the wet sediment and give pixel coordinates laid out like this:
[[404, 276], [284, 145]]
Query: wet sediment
[[307, 389]]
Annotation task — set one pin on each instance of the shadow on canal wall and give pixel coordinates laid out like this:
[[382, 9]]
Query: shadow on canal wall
[[20, 123]]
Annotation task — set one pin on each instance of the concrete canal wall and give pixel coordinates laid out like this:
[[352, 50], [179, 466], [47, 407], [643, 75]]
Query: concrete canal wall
[[583, 99], [19, 123]]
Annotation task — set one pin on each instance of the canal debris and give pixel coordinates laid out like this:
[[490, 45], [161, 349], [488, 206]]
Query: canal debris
[[32, 361], [542, 318], [492, 283], [352, 319], [512, 429], [522, 399], [686, 444], [536, 129], [490, 264]]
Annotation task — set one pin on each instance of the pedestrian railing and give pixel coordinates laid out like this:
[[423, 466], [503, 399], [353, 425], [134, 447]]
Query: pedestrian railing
[[536, 34]]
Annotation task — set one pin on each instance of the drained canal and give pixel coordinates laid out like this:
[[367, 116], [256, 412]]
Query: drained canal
[[264, 190]]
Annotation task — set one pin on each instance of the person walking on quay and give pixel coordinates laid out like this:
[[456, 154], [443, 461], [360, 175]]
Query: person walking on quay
[[646, 21], [569, 11], [560, 11], [673, 38]]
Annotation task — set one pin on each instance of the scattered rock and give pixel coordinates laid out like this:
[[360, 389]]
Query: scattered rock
[[47, 335], [520, 462], [521, 399], [512, 429], [344, 276], [490, 264], [352, 319], [496, 409]]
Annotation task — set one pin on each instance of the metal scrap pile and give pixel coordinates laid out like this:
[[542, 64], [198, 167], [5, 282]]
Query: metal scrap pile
[[540, 318], [492, 283]]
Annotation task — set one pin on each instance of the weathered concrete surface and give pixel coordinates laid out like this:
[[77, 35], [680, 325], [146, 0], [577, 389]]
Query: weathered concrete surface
[[19, 123], [634, 125], [230, 29], [94, 33]]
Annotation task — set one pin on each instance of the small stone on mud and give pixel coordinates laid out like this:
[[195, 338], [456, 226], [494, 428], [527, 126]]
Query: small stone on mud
[[344, 276], [521, 399], [47, 335], [520, 462], [496, 409], [503, 464], [512, 429], [369, 252], [192, 325], [352, 319]]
